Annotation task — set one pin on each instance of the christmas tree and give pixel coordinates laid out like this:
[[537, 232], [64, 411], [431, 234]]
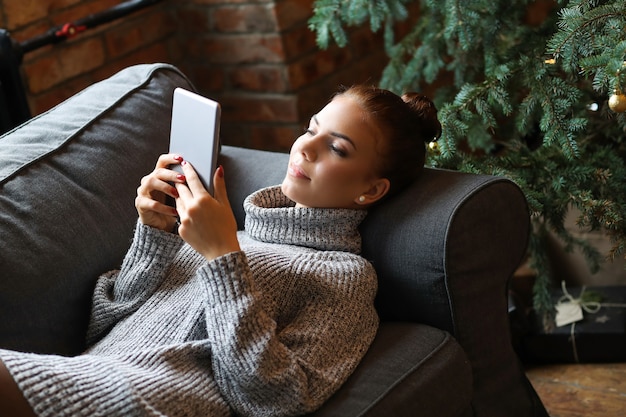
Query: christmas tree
[[539, 102]]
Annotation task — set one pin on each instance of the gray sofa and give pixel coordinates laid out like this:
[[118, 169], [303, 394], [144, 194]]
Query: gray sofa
[[444, 250]]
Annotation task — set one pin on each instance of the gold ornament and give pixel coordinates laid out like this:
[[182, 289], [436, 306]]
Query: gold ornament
[[617, 102]]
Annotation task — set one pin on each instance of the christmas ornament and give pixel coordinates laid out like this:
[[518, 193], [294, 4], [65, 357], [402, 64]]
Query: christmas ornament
[[617, 101]]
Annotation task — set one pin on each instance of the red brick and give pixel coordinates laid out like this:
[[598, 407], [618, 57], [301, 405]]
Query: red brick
[[259, 108], [154, 53], [316, 66], [207, 78], [314, 97], [293, 13], [82, 57], [235, 134], [196, 21], [19, 13], [31, 31], [175, 52], [241, 49], [274, 138], [363, 41], [259, 78], [80, 11], [47, 100], [299, 41], [42, 74], [75, 59], [244, 18], [135, 34], [157, 52]]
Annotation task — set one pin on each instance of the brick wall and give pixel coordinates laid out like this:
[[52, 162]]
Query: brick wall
[[54, 72], [258, 58]]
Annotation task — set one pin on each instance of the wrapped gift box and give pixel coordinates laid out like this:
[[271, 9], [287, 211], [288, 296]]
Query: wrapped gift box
[[599, 337]]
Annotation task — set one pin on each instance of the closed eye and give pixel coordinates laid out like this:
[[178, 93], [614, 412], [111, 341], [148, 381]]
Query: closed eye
[[337, 150]]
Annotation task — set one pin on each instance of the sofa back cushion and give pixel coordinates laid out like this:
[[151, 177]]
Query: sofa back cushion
[[68, 178]]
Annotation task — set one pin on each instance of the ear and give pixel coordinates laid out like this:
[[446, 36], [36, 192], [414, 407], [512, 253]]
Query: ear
[[378, 190]]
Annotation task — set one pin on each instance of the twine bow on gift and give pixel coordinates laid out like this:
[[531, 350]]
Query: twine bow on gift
[[570, 310], [590, 306]]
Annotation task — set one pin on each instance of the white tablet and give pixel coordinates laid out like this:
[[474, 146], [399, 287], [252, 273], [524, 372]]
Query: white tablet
[[195, 132]]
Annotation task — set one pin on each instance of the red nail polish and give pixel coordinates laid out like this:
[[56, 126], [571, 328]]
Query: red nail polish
[[183, 163], [220, 171], [178, 158], [181, 177]]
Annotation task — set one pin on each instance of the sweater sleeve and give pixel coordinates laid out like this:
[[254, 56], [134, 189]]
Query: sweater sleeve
[[265, 370], [119, 293]]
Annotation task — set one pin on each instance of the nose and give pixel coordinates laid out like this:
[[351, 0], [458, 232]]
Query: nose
[[308, 148]]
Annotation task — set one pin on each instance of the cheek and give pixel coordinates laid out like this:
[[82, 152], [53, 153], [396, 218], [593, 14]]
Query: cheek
[[342, 175]]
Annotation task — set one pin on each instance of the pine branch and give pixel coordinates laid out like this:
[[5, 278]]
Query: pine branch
[[330, 16]]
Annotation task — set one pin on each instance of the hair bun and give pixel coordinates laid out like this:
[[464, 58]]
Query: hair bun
[[426, 113]]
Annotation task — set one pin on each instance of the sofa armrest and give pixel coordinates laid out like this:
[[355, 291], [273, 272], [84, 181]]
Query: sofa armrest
[[445, 250]]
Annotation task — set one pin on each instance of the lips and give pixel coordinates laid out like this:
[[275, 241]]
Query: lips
[[297, 172]]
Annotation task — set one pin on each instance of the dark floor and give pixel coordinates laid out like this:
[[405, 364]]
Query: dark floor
[[585, 390]]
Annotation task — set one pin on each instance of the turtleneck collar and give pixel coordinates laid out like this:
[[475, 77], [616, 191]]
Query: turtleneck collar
[[273, 218]]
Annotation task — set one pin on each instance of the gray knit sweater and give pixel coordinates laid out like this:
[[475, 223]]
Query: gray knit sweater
[[272, 330]]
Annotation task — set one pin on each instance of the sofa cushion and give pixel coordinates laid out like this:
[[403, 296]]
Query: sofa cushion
[[410, 369], [65, 216]]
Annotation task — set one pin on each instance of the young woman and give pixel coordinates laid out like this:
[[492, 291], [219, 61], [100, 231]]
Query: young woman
[[204, 320]]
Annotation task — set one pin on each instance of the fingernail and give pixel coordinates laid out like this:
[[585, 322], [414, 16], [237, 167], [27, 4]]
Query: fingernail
[[181, 177], [220, 171], [183, 163], [178, 158], [175, 192]]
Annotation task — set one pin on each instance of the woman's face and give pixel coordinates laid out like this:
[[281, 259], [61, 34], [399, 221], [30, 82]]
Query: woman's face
[[332, 165]]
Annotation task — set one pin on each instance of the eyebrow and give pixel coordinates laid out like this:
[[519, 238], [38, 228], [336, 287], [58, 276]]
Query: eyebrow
[[337, 134]]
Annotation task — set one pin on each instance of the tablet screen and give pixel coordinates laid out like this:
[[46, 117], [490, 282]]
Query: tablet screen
[[194, 133]]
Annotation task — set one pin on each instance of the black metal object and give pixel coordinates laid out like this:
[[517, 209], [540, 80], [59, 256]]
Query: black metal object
[[13, 104], [14, 108]]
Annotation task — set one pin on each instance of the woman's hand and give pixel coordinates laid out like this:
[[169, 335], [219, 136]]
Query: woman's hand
[[206, 223], [153, 191]]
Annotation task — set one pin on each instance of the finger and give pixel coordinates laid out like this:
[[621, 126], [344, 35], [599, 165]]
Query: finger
[[168, 159], [159, 181], [146, 205], [219, 186], [184, 195], [170, 175], [193, 180]]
